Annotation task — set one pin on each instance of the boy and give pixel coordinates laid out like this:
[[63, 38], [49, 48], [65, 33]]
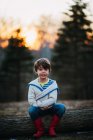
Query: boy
[[42, 97]]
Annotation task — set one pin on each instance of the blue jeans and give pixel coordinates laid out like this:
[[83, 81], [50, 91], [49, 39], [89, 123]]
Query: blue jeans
[[56, 109]]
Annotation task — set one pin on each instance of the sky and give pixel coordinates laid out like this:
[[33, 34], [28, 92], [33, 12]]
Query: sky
[[28, 11]]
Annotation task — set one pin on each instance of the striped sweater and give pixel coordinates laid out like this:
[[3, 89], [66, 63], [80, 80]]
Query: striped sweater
[[42, 96]]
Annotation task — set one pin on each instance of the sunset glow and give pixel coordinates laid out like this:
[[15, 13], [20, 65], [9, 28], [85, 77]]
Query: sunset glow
[[28, 12], [30, 37]]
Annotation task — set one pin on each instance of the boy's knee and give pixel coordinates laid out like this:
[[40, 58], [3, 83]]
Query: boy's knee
[[60, 109], [63, 108], [32, 110]]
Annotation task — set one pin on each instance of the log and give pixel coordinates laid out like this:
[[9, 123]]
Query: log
[[75, 120]]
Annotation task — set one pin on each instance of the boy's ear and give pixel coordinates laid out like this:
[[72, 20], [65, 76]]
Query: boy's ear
[[50, 70], [34, 71]]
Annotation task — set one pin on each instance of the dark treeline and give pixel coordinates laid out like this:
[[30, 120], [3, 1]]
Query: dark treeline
[[16, 69], [73, 54], [72, 60]]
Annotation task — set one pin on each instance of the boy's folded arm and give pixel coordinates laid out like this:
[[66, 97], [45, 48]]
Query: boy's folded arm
[[32, 102], [48, 102], [31, 97], [51, 100]]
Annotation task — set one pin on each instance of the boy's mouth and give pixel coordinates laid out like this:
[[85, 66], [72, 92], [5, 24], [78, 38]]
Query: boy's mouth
[[43, 75]]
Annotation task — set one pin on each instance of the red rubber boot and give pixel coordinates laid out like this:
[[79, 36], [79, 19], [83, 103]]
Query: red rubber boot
[[39, 128], [53, 124]]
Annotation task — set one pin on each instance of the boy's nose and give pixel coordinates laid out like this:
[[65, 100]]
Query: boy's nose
[[43, 70]]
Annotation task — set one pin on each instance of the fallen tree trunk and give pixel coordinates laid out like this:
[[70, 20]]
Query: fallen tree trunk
[[73, 120]]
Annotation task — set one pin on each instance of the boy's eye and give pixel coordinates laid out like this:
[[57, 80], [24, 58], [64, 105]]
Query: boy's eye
[[40, 69]]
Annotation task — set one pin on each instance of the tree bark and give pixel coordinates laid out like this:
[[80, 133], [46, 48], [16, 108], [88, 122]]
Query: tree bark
[[72, 121]]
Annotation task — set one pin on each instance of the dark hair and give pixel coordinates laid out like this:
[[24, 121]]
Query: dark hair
[[44, 62]]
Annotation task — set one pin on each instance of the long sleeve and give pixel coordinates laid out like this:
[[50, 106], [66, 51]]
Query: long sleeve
[[51, 100], [31, 97]]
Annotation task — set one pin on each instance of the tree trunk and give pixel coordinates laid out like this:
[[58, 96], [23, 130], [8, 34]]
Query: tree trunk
[[72, 121]]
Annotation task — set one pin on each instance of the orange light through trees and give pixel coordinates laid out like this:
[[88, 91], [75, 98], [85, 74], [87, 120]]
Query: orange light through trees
[[30, 37]]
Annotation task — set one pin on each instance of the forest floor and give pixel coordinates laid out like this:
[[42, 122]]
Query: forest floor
[[64, 136]]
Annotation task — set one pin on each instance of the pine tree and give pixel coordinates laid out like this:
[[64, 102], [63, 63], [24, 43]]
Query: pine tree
[[17, 65], [68, 57]]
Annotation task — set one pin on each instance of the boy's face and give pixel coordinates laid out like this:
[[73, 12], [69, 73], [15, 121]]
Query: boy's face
[[42, 73]]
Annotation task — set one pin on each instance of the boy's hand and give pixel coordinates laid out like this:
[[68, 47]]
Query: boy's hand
[[45, 108]]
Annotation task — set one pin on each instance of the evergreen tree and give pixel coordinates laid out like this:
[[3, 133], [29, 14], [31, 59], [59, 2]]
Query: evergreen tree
[[68, 55], [16, 65]]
